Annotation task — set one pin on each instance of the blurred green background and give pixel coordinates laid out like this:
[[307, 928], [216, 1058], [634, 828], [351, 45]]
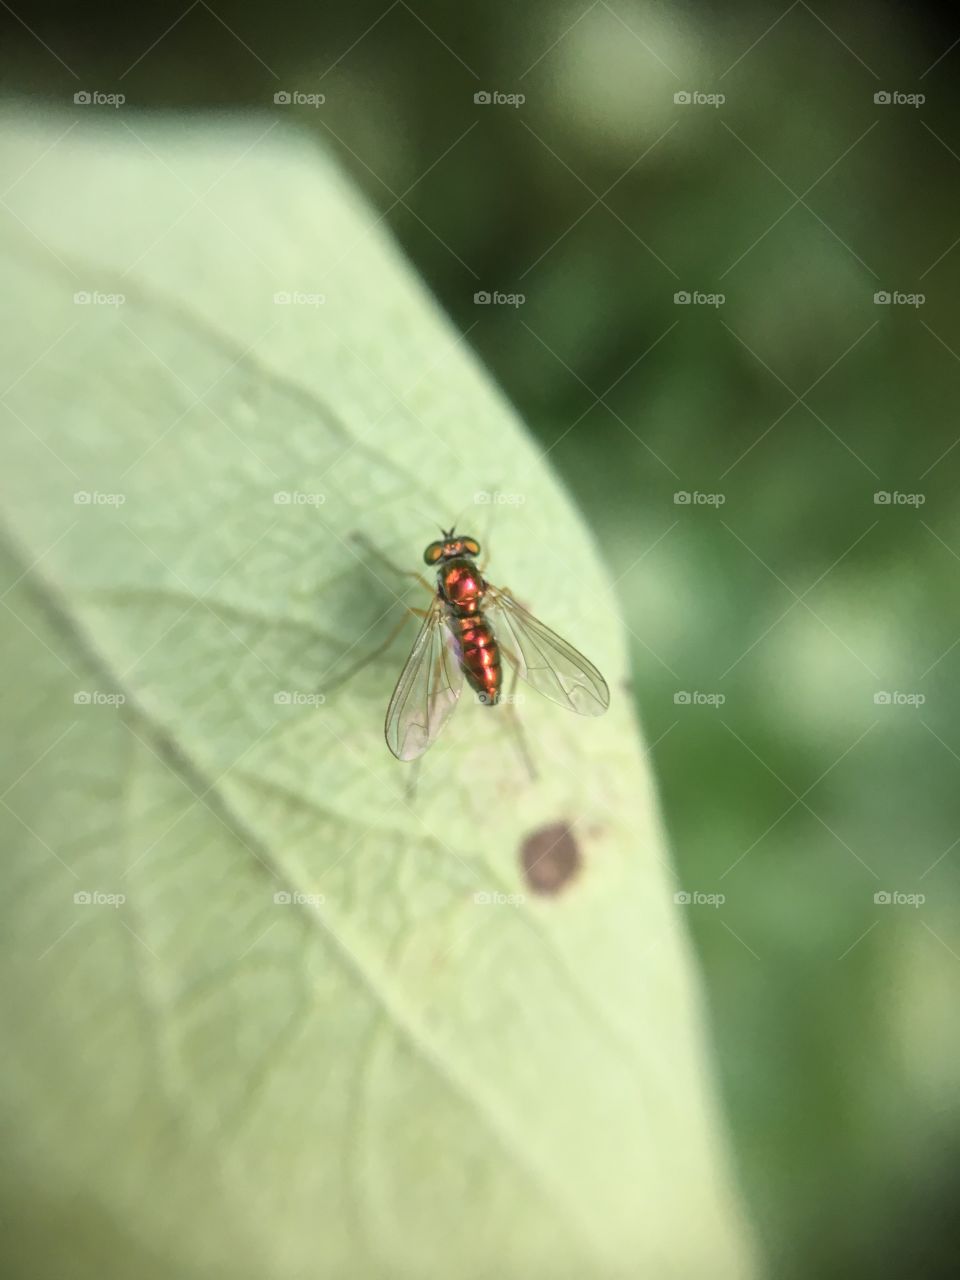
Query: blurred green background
[[771, 612]]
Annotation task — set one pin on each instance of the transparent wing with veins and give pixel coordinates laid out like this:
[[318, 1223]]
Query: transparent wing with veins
[[427, 691], [540, 657]]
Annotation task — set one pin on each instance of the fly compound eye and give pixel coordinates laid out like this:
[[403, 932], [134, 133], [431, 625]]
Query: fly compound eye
[[471, 546], [433, 553]]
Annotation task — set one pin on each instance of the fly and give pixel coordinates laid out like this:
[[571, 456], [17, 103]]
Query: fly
[[470, 631]]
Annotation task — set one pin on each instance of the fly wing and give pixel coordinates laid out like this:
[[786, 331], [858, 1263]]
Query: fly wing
[[427, 691], [545, 661]]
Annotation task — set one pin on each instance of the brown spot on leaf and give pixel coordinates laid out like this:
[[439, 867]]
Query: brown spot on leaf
[[550, 857]]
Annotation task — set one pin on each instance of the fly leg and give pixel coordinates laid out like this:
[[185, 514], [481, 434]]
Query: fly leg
[[482, 566], [510, 710], [413, 777], [372, 550], [381, 648], [510, 706]]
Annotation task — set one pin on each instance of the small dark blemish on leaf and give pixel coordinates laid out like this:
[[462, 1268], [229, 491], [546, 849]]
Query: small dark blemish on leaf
[[550, 858]]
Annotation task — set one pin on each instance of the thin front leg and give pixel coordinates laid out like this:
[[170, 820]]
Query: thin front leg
[[362, 541], [510, 711]]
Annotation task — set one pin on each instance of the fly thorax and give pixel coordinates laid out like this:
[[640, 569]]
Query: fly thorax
[[461, 585]]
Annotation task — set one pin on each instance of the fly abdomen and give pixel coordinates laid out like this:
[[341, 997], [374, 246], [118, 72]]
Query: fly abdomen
[[479, 656]]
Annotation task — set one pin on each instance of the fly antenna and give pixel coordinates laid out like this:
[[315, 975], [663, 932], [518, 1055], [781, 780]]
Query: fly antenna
[[425, 518], [456, 522]]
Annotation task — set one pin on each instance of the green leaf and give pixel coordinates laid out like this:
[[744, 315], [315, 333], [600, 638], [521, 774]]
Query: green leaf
[[307, 1023]]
